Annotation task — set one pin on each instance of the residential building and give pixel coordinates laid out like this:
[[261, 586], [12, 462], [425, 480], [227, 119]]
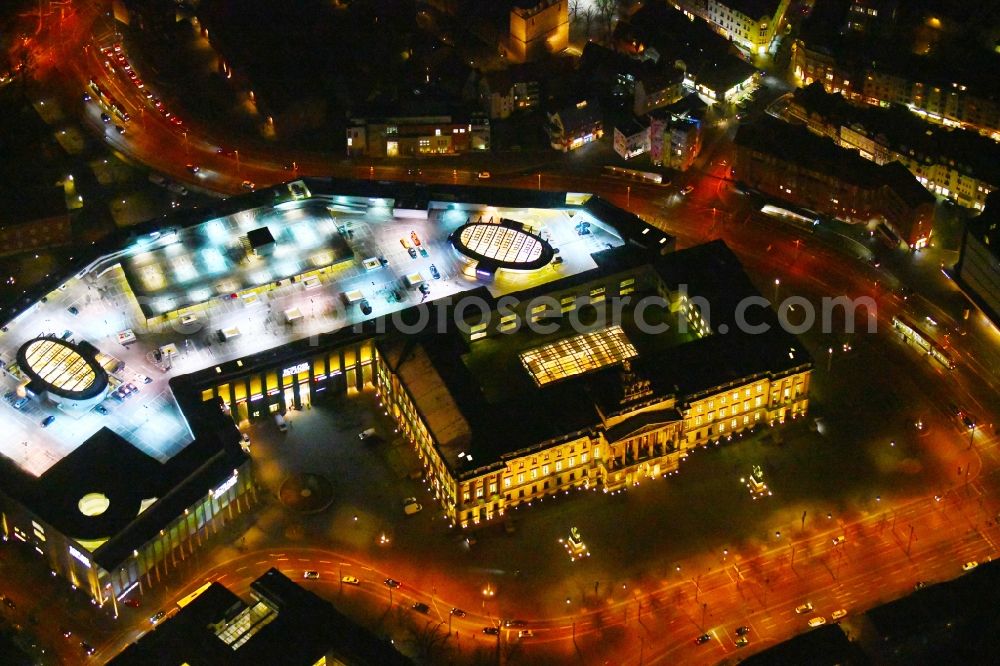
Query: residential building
[[538, 28], [417, 136], [789, 162], [726, 82], [576, 125], [631, 138], [522, 87], [657, 89], [752, 24], [283, 623], [660, 34], [950, 85], [978, 267], [960, 165], [685, 143]]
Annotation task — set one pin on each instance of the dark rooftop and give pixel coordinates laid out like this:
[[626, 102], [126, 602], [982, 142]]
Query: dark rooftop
[[296, 628], [971, 153], [466, 391], [753, 8], [797, 145], [107, 464]]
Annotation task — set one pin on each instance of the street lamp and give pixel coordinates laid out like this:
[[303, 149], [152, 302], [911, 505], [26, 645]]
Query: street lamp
[[777, 283], [539, 180], [829, 358]]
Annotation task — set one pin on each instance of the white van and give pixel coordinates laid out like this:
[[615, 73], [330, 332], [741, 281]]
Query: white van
[[279, 421]]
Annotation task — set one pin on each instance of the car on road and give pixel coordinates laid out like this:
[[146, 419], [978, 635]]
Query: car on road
[[704, 638], [87, 648], [310, 574], [158, 616], [366, 307], [367, 433], [938, 498], [742, 641], [119, 129], [193, 168], [413, 253], [838, 540], [458, 612], [66, 632], [483, 175], [391, 582], [970, 565], [742, 631], [132, 388], [435, 273], [807, 607], [415, 238], [515, 624], [144, 379], [48, 420], [9, 603], [132, 602], [817, 621], [969, 421], [839, 613], [919, 585], [73, 310], [350, 580], [20, 402], [491, 631], [412, 509], [687, 190], [248, 185], [105, 117], [421, 607], [526, 633]]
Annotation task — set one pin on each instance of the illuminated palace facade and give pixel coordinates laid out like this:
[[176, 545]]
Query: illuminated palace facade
[[501, 417]]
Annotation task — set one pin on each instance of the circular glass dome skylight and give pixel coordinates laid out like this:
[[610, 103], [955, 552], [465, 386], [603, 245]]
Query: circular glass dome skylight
[[93, 504]]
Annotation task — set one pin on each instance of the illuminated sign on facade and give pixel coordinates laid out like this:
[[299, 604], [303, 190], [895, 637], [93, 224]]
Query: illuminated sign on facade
[[230, 482], [295, 369], [79, 556]]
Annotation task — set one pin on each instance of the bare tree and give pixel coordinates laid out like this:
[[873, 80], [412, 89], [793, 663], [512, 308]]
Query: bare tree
[[574, 10], [606, 10], [588, 20]]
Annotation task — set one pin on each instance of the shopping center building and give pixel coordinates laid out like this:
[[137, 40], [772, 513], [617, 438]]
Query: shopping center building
[[505, 330]]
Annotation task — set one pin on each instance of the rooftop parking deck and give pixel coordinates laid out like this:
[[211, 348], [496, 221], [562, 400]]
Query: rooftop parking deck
[[175, 288]]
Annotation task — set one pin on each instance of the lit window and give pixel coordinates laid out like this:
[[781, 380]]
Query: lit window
[[493, 488], [506, 482], [545, 470], [479, 493], [534, 474], [520, 478], [559, 465]]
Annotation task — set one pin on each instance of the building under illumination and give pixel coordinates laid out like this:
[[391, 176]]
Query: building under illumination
[[537, 28], [124, 379], [503, 415], [752, 24], [540, 367]]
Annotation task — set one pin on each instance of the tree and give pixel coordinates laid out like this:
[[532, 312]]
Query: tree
[[606, 11], [574, 10]]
